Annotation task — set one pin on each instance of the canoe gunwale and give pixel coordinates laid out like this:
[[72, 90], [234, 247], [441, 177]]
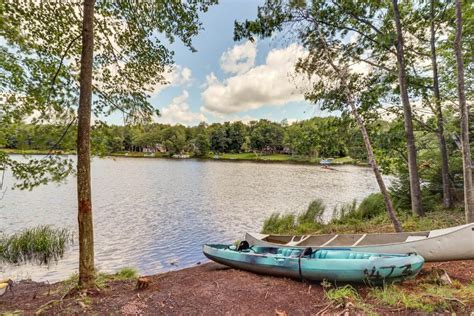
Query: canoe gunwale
[[454, 243], [270, 244]]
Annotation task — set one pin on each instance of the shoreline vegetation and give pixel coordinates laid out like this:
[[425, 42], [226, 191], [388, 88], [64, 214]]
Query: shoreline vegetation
[[252, 157]]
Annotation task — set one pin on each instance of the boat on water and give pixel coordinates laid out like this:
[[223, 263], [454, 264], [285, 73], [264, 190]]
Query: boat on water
[[326, 162], [454, 243], [340, 265]]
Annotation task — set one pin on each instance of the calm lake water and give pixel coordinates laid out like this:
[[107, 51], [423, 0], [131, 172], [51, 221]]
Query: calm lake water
[[155, 214]]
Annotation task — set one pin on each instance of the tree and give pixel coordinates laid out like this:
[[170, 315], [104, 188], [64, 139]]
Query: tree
[[84, 198], [266, 134], [447, 197], [410, 137], [129, 61], [322, 39], [464, 113], [202, 144], [236, 133], [218, 138], [368, 25]]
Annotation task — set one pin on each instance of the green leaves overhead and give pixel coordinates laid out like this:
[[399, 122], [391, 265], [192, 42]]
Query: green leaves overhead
[[130, 60], [40, 51]]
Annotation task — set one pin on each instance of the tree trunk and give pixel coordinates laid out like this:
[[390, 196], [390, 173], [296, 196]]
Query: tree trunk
[[86, 235], [373, 163], [415, 190], [464, 112], [343, 75], [447, 198]]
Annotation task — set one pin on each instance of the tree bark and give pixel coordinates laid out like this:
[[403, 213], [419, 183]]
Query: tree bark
[[373, 163], [84, 216], [415, 190], [447, 197], [343, 75], [464, 112]]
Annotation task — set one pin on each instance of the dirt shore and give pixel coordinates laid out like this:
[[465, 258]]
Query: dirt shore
[[212, 289]]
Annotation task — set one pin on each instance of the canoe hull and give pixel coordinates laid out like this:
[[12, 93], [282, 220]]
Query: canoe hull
[[371, 269], [443, 245]]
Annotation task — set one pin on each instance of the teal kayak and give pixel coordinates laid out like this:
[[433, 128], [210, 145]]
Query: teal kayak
[[341, 265]]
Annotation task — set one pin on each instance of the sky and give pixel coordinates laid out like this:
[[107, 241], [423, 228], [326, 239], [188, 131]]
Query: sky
[[228, 81]]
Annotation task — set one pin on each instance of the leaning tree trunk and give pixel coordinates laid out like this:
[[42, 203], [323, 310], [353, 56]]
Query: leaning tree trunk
[[415, 190], [373, 163], [343, 75], [447, 197], [84, 216], [464, 111]]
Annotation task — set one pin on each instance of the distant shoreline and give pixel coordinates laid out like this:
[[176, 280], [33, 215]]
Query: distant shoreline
[[241, 157]]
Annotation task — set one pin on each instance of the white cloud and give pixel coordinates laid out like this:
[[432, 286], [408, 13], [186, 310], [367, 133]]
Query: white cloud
[[273, 83], [239, 58], [176, 75], [178, 111]]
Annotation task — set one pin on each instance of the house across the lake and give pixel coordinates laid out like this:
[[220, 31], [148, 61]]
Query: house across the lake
[[158, 148]]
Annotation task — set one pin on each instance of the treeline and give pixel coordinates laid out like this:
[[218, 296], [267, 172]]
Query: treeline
[[316, 137]]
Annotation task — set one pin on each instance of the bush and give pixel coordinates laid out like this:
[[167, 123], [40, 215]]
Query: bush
[[400, 193], [313, 214], [371, 206], [279, 224]]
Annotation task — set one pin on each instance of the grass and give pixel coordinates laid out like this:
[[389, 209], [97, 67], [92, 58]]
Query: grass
[[280, 158], [368, 217], [342, 295], [425, 296], [40, 244], [279, 224], [101, 280]]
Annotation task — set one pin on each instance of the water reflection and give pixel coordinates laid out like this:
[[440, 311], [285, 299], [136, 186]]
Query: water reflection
[[149, 213]]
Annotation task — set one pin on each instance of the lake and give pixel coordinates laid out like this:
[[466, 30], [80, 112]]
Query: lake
[[155, 214]]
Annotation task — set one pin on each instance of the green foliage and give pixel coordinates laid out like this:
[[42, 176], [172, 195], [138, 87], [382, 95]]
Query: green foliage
[[392, 295], [426, 296], [371, 206], [126, 273], [328, 136], [41, 244], [354, 222], [313, 214], [266, 135], [342, 295], [279, 224], [345, 210], [41, 81]]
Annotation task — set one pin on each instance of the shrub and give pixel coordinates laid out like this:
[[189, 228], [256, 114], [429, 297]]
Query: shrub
[[278, 224], [371, 206]]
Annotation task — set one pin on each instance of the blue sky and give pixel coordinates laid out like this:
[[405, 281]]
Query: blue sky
[[225, 80]]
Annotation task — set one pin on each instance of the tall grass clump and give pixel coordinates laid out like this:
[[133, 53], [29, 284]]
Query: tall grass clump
[[40, 244], [279, 224], [344, 211], [313, 214]]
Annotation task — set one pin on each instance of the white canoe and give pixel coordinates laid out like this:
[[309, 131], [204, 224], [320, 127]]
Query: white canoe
[[454, 243]]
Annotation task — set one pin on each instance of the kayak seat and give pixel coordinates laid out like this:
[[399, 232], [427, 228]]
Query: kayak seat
[[288, 252], [325, 254]]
